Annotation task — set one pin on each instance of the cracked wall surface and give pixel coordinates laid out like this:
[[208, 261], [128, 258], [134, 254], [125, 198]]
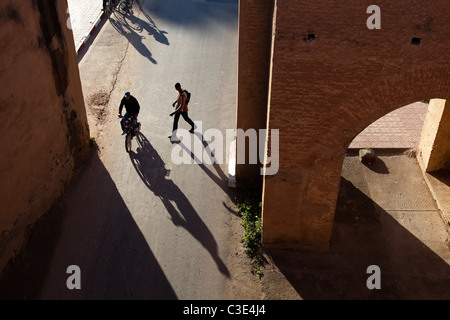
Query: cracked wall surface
[[45, 134]]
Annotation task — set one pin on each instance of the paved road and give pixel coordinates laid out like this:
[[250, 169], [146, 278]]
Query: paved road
[[138, 225]]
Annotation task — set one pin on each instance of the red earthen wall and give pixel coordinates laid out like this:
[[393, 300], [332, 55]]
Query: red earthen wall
[[44, 132], [331, 77]]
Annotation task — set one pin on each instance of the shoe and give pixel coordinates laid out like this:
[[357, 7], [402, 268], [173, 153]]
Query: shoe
[[174, 139], [123, 132], [191, 131]]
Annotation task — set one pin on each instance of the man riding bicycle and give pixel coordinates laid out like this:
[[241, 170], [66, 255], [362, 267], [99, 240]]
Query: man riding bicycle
[[132, 108]]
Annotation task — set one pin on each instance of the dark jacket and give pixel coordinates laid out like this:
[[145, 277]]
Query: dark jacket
[[131, 106]]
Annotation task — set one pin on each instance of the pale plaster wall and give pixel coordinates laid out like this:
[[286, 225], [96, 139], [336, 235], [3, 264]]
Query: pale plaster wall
[[44, 132]]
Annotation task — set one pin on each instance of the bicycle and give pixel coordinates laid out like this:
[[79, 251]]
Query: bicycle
[[131, 127], [125, 6], [111, 6]]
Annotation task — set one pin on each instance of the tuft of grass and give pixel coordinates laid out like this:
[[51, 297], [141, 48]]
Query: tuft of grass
[[250, 207]]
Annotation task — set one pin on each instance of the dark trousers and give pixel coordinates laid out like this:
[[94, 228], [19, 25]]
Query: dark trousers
[[112, 1], [122, 121], [185, 117]]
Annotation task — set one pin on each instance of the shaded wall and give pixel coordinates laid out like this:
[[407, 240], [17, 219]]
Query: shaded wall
[[44, 134], [255, 28]]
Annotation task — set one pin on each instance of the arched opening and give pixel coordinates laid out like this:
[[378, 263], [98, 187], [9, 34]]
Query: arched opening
[[399, 129], [386, 214]]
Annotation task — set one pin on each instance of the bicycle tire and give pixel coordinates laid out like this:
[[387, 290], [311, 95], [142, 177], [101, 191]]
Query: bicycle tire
[[128, 139]]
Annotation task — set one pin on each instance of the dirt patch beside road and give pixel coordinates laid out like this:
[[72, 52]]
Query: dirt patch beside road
[[244, 285]]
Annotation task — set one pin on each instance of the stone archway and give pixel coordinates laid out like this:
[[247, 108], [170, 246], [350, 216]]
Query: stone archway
[[299, 206], [330, 77]]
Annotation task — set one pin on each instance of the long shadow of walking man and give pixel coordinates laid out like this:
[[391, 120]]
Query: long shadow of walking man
[[151, 168]]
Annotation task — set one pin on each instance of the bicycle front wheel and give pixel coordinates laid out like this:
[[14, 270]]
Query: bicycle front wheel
[[128, 139]]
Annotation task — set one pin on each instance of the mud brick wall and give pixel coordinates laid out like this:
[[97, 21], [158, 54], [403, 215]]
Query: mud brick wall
[[44, 133], [330, 77]]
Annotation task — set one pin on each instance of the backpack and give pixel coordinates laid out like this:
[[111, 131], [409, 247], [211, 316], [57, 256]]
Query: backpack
[[188, 96]]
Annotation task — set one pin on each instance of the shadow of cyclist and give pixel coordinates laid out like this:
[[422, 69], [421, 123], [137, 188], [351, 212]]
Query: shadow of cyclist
[[151, 169]]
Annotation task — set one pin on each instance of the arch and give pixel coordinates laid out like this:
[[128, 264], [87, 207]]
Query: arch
[[312, 231], [330, 77], [417, 85]]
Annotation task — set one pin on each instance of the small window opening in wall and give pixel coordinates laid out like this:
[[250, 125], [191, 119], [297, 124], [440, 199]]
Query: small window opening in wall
[[311, 37], [415, 41]]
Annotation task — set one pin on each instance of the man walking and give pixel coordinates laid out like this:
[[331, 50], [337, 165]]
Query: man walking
[[181, 109]]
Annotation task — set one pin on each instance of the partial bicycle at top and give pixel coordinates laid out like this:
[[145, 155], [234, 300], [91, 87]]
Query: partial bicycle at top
[[122, 6]]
